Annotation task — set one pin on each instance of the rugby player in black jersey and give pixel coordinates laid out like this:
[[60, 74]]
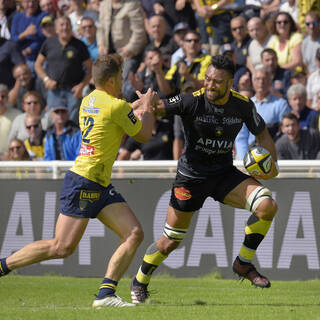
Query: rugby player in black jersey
[[212, 118]]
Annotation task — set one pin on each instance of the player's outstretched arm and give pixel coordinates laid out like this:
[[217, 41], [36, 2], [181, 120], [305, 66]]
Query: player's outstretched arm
[[264, 140]]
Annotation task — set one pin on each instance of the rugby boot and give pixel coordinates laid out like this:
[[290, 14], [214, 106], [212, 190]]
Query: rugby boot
[[139, 293], [248, 271], [111, 300]]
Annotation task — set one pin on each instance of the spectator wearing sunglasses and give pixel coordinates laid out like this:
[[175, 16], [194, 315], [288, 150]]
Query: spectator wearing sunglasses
[[17, 151], [191, 67], [311, 42], [36, 137], [286, 41], [63, 138], [31, 105], [241, 40]]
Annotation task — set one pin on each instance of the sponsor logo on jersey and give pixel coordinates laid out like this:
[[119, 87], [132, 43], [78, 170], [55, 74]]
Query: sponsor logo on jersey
[[207, 119], [174, 99], [86, 150], [215, 143], [231, 121], [182, 194], [214, 146], [132, 117], [88, 195], [89, 109]]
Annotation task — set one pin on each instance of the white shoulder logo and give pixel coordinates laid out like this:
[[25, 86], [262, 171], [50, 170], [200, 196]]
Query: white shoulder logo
[[91, 101], [174, 99]]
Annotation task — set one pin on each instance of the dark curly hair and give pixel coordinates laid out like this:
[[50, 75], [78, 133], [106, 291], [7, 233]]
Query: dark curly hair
[[224, 63]]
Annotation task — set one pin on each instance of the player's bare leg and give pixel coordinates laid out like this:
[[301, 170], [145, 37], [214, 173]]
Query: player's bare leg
[[251, 195], [69, 231], [119, 218], [177, 224]]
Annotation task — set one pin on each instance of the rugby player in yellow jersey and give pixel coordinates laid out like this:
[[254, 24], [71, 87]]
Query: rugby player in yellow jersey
[[87, 192]]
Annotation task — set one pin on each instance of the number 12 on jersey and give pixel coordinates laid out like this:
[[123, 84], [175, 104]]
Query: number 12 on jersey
[[88, 125]]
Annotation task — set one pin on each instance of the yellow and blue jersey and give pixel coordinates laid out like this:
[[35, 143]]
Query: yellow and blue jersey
[[103, 121]]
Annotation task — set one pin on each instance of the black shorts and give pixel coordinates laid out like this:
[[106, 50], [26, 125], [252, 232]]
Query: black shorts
[[84, 198], [188, 194]]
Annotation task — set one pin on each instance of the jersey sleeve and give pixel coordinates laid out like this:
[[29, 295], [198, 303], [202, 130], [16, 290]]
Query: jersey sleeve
[[253, 120], [122, 115], [180, 104]]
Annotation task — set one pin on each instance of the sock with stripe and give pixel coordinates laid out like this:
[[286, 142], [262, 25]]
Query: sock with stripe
[[151, 261], [107, 287], [4, 270], [255, 231]]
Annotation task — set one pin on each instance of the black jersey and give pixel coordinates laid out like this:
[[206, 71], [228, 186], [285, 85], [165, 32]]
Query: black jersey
[[210, 130]]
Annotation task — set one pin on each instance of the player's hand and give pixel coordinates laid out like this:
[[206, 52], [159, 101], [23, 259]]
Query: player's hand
[[266, 176], [147, 101]]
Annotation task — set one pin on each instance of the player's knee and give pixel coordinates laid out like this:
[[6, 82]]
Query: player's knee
[[136, 235], [171, 238], [267, 209], [63, 250], [166, 245]]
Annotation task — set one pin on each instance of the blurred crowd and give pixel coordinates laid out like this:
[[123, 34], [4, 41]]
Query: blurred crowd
[[47, 48]]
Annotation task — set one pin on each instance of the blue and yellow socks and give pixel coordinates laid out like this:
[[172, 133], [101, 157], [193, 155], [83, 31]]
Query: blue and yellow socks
[[107, 287], [3, 267]]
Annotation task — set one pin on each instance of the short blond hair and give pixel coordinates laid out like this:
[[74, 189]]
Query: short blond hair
[[105, 67]]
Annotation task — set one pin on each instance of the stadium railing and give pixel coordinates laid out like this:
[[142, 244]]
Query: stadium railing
[[139, 169]]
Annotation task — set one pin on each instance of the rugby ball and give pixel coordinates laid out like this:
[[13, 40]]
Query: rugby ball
[[258, 161]]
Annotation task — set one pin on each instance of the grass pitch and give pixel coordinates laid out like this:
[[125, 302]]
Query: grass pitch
[[55, 297]]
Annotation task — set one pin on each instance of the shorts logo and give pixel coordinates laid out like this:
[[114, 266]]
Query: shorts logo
[[132, 117], [182, 194], [89, 195], [112, 192], [174, 99]]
